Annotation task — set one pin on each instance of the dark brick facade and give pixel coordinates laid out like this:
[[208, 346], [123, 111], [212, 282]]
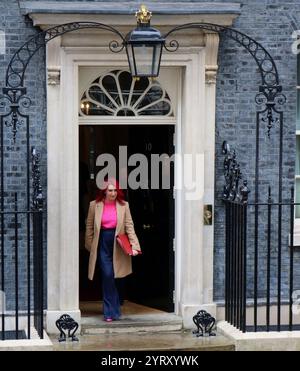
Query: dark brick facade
[[270, 22], [17, 30]]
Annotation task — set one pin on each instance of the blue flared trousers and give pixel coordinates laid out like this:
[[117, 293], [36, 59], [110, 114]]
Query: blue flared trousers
[[111, 302]]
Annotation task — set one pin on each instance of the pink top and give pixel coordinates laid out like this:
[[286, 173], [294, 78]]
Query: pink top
[[109, 215]]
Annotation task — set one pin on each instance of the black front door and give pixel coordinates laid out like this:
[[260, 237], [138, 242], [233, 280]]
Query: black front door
[[152, 281]]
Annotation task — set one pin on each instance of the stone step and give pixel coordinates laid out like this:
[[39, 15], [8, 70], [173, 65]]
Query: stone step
[[161, 322], [182, 340]]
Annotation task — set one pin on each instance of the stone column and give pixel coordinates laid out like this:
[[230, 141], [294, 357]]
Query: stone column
[[199, 140], [62, 260], [211, 67]]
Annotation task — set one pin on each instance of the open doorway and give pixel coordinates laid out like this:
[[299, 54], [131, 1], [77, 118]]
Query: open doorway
[[152, 281]]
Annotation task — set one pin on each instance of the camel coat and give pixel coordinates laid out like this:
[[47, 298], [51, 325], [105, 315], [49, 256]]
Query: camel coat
[[121, 261]]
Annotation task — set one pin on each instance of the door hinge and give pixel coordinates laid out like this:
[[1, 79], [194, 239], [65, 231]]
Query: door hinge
[[173, 244], [173, 296], [174, 139]]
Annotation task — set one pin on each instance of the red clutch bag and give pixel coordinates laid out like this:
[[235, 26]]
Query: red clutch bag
[[124, 243]]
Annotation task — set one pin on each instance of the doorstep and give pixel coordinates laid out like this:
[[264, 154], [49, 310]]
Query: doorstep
[[183, 340], [132, 323]]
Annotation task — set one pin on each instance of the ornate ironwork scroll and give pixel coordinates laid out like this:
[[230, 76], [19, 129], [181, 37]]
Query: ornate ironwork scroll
[[265, 62], [233, 191], [269, 98], [205, 324], [17, 67], [14, 93], [66, 323], [270, 91], [37, 196], [16, 99]]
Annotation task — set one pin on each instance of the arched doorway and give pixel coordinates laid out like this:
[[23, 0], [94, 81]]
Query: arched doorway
[[114, 94]]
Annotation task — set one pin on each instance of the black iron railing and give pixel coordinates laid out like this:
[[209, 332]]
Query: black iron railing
[[236, 264], [21, 264], [21, 260], [260, 265], [38, 271]]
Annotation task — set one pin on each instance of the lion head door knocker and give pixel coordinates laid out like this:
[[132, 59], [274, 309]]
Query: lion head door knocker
[[204, 323], [67, 323]]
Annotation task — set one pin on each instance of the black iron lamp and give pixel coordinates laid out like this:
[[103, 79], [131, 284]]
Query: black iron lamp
[[144, 46]]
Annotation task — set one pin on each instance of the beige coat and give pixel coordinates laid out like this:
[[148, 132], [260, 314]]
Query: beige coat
[[121, 261]]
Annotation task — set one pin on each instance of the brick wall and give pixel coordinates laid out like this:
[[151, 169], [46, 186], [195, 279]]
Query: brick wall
[[270, 22], [17, 30]]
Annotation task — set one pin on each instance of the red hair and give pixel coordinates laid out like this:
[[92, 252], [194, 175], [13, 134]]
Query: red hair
[[102, 191]]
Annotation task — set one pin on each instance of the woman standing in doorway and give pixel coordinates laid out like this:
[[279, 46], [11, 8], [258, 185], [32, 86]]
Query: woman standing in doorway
[[108, 216]]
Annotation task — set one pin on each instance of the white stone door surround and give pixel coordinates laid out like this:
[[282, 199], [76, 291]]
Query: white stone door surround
[[195, 134]]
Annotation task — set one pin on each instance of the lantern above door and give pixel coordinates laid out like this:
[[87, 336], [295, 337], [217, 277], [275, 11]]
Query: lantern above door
[[144, 46]]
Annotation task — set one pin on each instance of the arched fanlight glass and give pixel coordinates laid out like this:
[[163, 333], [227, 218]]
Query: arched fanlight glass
[[116, 93]]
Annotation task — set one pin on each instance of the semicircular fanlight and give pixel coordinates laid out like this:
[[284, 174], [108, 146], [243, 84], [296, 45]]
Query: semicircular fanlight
[[118, 94]]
